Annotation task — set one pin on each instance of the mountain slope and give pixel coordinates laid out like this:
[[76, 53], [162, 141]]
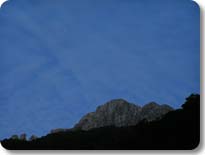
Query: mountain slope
[[178, 129]]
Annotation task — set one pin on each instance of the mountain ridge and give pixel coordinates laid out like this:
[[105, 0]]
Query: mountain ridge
[[119, 113], [177, 130]]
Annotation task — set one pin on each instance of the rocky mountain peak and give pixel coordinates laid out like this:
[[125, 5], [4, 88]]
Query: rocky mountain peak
[[153, 111], [119, 112], [151, 105], [116, 105]]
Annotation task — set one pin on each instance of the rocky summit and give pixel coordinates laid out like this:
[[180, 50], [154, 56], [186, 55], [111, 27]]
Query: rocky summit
[[121, 113]]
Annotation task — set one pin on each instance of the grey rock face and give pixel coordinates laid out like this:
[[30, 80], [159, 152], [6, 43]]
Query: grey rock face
[[153, 111], [121, 113]]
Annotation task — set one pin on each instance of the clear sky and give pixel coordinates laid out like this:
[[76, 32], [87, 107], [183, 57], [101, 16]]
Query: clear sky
[[61, 59]]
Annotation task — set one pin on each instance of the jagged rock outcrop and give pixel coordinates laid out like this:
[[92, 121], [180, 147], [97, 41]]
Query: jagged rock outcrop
[[120, 113], [153, 111]]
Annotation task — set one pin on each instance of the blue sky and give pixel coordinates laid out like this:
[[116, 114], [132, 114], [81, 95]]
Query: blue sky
[[59, 61]]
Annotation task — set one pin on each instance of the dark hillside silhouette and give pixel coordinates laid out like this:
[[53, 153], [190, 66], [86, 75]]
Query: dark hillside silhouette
[[178, 129]]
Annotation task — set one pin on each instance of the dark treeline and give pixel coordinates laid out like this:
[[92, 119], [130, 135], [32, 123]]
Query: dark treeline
[[178, 129]]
